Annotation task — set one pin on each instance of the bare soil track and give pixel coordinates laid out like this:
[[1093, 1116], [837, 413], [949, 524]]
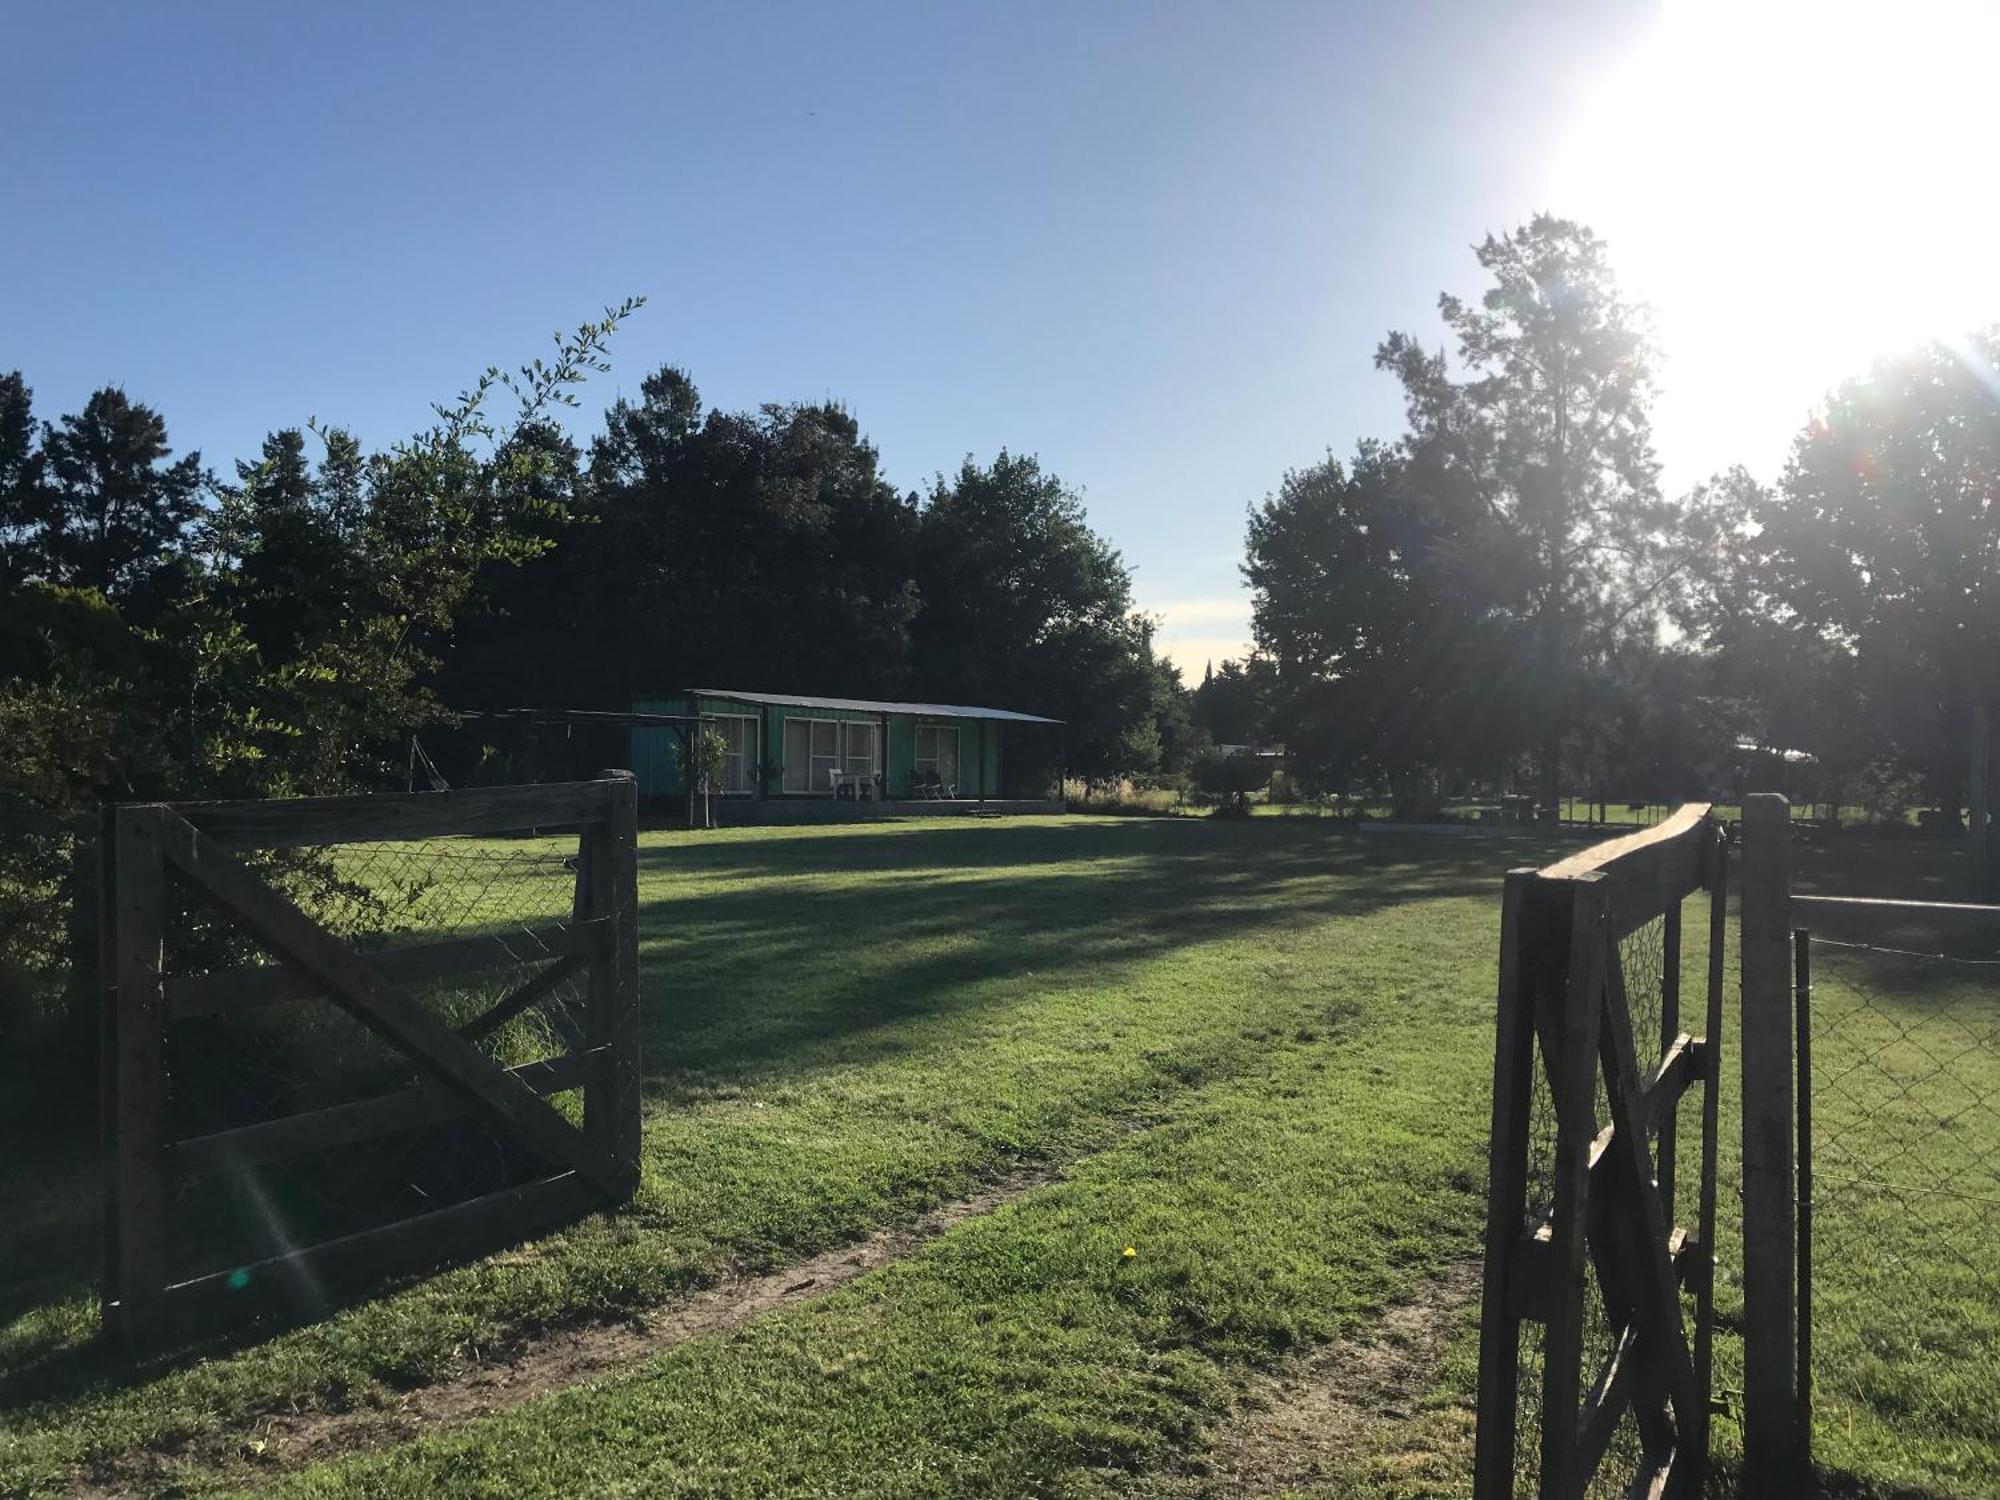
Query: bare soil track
[[1305, 1423], [275, 1443]]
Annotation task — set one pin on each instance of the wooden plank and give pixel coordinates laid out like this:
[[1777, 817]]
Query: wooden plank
[[1609, 1395], [306, 1281], [287, 823], [1696, 1427], [1528, 1285], [1528, 1275], [1656, 1290], [1644, 873], [622, 1019], [141, 1090], [359, 1120], [592, 901], [529, 994], [1678, 1071], [190, 995], [1602, 859], [1802, 1010], [1573, 1073], [106, 972], [1654, 1482], [1870, 906], [1666, 1156], [1770, 1444], [384, 1007], [1507, 1272]]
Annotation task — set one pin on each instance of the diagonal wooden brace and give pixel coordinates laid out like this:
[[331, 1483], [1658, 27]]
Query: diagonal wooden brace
[[1649, 1268], [384, 1007]]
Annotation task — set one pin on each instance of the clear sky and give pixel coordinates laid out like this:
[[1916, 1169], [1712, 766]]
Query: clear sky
[[1155, 244]]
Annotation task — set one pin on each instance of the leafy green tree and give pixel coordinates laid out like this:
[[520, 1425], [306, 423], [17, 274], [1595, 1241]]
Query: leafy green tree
[[1232, 706], [705, 548], [20, 476], [112, 510], [1881, 547], [1383, 598], [1024, 606], [289, 539], [1544, 426]]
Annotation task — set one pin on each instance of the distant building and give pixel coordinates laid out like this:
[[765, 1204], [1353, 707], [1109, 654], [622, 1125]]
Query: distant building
[[786, 752]]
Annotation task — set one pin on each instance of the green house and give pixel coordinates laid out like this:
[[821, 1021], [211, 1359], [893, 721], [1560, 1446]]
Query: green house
[[785, 750]]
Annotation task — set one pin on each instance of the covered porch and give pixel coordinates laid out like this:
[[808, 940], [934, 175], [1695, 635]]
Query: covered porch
[[802, 757]]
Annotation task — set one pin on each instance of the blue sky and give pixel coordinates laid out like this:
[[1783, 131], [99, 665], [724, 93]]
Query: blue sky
[[1154, 244]]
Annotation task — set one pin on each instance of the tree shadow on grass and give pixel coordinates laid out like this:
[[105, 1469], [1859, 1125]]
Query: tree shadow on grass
[[782, 956], [761, 967]]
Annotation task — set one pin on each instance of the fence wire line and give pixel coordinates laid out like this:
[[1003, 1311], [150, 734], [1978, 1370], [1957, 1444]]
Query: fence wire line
[[1943, 958], [247, 1066]]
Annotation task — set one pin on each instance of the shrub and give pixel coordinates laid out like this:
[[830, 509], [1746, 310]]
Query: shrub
[[1231, 778], [1885, 793]]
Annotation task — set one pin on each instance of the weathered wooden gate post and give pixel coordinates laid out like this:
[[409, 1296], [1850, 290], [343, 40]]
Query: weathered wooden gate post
[[1770, 1411]]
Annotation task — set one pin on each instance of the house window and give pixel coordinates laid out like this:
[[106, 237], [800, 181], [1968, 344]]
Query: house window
[[857, 749], [816, 748], [937, 753], [739, 756]]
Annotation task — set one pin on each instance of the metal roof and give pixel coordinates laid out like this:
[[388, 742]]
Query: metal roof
[[874, 706]]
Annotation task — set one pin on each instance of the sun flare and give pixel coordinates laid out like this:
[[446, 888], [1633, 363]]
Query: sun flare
[[1795, 186]]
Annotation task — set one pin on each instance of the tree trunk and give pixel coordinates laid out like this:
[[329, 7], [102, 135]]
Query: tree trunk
[[1550, 773]]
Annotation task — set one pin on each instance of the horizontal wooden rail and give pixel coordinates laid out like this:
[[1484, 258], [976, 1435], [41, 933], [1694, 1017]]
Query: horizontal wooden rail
[[292, 822], [1869, 906], [266, 984], [360, 1119], [309, 1279], [1528, 1273], [1644, 873]]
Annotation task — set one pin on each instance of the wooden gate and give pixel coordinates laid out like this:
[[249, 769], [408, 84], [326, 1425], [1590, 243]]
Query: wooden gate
[[235, 868], [1581, 1232]]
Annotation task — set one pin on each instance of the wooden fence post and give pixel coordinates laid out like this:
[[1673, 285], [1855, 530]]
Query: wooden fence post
[[1978, 835], [1770, 1411], [608, 887], [1506, 1202], [619, 900], [139, 1275]]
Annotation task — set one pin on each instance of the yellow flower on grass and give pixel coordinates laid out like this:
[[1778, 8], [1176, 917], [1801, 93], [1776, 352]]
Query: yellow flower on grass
[[1131, 1253]]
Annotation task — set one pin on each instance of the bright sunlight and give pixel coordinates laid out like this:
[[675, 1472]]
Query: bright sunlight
[[1795, 186]]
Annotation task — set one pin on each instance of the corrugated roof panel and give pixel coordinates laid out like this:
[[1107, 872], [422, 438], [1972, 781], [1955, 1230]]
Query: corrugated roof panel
[[875, 706]]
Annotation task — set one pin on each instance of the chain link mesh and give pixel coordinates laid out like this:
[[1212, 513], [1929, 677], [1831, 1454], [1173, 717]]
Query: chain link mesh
[[251, 1064], [1905, 1039]]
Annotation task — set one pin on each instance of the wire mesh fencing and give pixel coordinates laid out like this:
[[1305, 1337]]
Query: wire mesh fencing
[[353, 1035], [1903, 1316], [245, 1066]]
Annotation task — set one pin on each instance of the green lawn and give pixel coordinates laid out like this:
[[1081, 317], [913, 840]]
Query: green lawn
[[1906, 1062], [1260, 1051], [846, 1026]]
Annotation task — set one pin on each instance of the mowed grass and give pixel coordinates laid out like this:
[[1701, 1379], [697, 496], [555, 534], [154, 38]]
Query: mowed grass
[[1906, 1318], [1906, 1099], [1267, 1044]]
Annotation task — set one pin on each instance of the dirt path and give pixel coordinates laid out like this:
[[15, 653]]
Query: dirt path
[[1308, 1422], [276, 1443]]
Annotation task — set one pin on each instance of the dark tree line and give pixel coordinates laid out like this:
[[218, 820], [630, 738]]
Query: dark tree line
[[1503, 597], [764, 550], [288, 625]]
